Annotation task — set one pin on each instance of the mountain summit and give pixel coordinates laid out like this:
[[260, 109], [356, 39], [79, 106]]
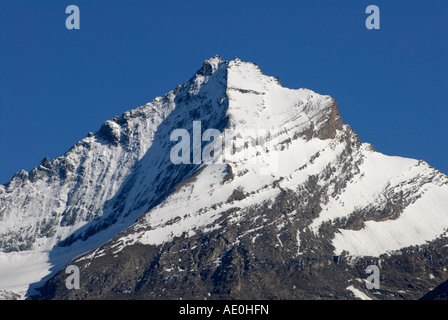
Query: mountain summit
[[229, 186]]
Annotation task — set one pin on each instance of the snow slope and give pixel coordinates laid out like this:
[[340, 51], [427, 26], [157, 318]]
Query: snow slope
[[258, 101]]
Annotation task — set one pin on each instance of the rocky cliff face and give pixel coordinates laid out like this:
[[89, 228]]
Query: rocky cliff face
[[289, 205]]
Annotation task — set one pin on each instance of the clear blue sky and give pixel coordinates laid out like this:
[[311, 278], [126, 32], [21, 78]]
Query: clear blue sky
[[56, 85]]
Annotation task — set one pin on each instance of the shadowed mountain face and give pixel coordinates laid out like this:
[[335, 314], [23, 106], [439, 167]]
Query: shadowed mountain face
[[276, 199], [439, 293]]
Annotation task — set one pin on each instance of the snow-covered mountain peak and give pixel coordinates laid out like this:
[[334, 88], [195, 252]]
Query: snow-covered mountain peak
[[95, 183], [210, 65], [292, 175], [259, 101]]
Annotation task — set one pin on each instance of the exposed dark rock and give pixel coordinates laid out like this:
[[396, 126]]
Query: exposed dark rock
[[333, 123]]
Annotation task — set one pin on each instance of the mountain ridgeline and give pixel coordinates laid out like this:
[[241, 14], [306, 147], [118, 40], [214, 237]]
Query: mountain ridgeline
[[293, 205]]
